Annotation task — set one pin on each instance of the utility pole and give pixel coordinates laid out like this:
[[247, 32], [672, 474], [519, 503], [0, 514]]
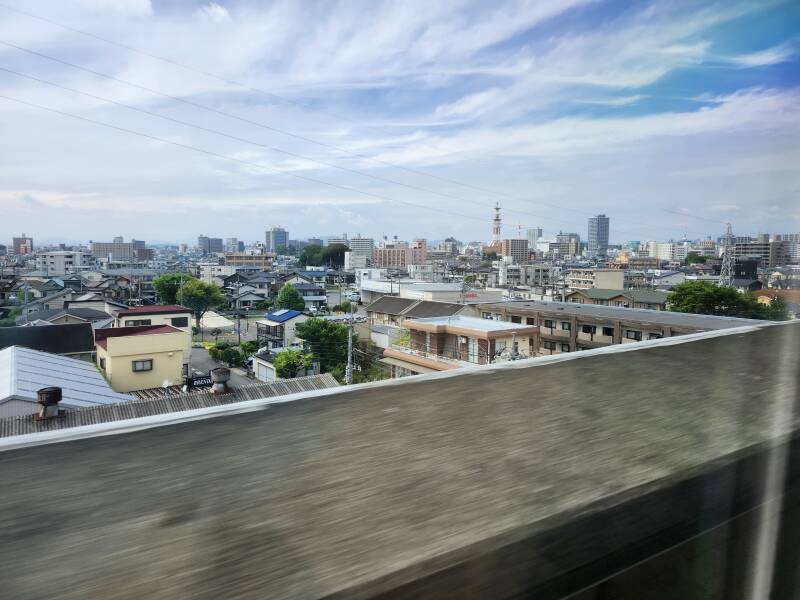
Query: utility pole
[[238, 312], [349, 370]]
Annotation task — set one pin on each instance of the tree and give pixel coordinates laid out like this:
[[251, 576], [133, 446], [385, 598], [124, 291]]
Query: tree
[[168, 286], [289, 362], [200, 297], [311, 256], [290, 298], [491, 255], [693, 258], [328, 341], [248, 348], [215, 333], [232, 357], [777, 310], [706, 298], [333, 255]]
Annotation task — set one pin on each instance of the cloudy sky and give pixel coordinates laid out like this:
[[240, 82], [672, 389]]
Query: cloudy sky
[[164, 119]]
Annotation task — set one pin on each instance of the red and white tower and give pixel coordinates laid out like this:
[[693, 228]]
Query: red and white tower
[[497, 223]]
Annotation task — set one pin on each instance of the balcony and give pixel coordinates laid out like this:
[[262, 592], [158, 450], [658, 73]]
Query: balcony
[[425, 359]]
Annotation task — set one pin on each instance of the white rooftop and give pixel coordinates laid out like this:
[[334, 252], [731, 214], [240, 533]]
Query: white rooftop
[[473, 323], [23, 372]]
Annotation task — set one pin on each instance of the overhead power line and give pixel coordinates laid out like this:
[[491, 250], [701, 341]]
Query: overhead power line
[[234, 159], [298, 136]]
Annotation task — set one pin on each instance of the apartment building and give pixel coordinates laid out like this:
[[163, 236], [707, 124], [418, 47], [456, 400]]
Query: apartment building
[[571, 326], [516, 250], [142, 357], [115, 251], [586, 278], [392, 254], [419, 252], [567, 245], [598, 231], [22, 245], [768, 254], [63, 262], [443, 343], [257, 260], [634, 298], [208, 245]]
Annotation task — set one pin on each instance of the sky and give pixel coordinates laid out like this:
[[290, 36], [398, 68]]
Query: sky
[[162, 120]]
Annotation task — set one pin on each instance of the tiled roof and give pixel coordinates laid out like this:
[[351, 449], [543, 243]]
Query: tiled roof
[[429, 308], [389, 305], [164, 404], [154, 310]]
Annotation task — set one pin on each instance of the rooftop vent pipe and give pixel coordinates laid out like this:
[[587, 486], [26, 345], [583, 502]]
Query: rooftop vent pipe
[[48, 398], [219, 379]]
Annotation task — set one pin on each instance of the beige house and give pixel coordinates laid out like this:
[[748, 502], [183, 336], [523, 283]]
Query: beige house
[[141, 357], [174, 315]]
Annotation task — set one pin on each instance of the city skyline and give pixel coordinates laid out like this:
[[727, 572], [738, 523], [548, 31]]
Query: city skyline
[[659, 108]]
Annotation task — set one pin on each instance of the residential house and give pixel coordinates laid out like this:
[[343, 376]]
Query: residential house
[[174, 315], [141, 357], [277, 329], [61, 316], [649, 299], [23, 372], [264, 367]]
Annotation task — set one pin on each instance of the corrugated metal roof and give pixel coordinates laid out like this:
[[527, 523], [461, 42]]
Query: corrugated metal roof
[[430, 308], [390, 305], [24, 371], [165, 404]]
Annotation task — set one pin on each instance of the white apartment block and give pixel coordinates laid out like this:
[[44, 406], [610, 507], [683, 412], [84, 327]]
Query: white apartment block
[[63, 262]]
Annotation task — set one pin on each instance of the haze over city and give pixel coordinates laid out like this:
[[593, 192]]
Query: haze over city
[[556, 110]]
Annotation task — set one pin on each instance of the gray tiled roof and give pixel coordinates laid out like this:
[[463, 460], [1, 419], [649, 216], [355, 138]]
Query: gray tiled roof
[[163, 404], [389, 305], [429, 308]]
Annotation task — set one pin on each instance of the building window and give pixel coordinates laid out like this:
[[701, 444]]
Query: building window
[[549, 324], [137, 322], [654, 336], [180, 322], [632, 334], [565, 326], [608, 331], [549, 345], [516, 319], [140, 366], [590, 329], [103, 364], [565, 347], [530, 321]]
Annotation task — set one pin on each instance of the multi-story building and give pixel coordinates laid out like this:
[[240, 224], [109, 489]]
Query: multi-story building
[[768, 254], [533, 234], [669, 251], [22, 245], [598, 235], [118, 250], [585, 278], [260, 260], [341, 241], [140, 358], [635, 298], [567, 245], [443, 343], [63, 262], [516, 249], [176, 316], [274, 237], [209, 245], [392, 254], [231, 244], [315, 242], [568, 326], [419, 251], [361, 246]]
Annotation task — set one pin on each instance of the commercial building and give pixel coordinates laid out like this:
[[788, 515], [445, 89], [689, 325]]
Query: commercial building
[[585, 278], [533, 235], [768, 254], [342, 241], [444, 343], [274, 237], [208, 245], [516, 249], [419, 252], [117, 250], [262, 261], [566, 245], [392, 254], [141, 357], [231, 244], [22, 245], [598, 235]]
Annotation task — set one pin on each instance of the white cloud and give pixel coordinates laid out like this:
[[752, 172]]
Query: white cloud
[[213, 12], [770, 56]]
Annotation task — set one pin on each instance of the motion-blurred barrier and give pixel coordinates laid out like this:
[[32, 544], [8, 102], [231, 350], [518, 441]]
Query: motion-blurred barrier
[[666, 469]]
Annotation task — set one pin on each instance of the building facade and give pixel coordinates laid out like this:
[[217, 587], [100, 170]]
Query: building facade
[[274, 237], [598, 235], [516, 249]]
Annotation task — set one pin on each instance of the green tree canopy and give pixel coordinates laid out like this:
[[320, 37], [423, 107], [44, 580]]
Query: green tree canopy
[[706, 298], [491, 255], [333, 255], [200, 297], [311, 256], [168, 285], [328, 341], [289, 297], [694, 258], [289, 362]]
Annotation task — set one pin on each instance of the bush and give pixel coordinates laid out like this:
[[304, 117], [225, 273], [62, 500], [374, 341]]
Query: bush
[[232, 357]]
